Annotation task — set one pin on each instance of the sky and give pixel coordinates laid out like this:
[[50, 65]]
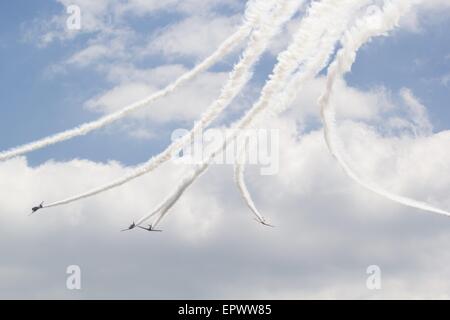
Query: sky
[[393, 116]]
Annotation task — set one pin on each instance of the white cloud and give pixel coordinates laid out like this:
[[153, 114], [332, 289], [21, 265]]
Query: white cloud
[[89, 54], [328, 228], [350, 102], [417, 111], [194, 36], [185, 104]]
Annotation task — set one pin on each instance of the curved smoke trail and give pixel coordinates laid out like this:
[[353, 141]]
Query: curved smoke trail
[[376, 25], [239, 178], [252, 16], [240, 75], [305, 40], [313, 65]]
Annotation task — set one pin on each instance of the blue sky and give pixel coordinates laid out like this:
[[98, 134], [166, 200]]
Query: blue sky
[[415, 60], [330, 229]]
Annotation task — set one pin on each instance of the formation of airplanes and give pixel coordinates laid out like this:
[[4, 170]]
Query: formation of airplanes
[[150, 228]]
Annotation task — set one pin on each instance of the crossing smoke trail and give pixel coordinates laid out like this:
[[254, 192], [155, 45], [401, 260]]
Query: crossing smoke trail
[[254, 10], [305, 40], [173, 197], [312, 66], [240, 75], [376, 25]]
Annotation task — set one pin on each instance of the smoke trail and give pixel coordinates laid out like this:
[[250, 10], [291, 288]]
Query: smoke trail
[[173, 197], [240, 75], [252, 17], [288, 61], [239, 178], [335, 27], [376, 25]]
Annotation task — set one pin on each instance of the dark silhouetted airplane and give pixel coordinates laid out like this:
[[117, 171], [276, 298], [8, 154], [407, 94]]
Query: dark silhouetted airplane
[[264, 223], [150, 228], [132, 226], [34, 209]]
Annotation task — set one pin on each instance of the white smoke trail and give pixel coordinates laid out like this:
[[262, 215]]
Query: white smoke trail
[[376, 25], [254, 10], [239, 178], [304, 41], [240, 75], [314, 63], [173, 197]]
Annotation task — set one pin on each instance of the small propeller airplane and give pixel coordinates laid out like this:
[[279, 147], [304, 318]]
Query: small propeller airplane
[[264, 223], [132, 226], [34, 209], [150, 228]]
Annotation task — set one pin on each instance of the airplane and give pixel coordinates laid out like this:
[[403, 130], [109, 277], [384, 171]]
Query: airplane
[[264, 223], [150, 228], [34, 209], [132, 226]]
